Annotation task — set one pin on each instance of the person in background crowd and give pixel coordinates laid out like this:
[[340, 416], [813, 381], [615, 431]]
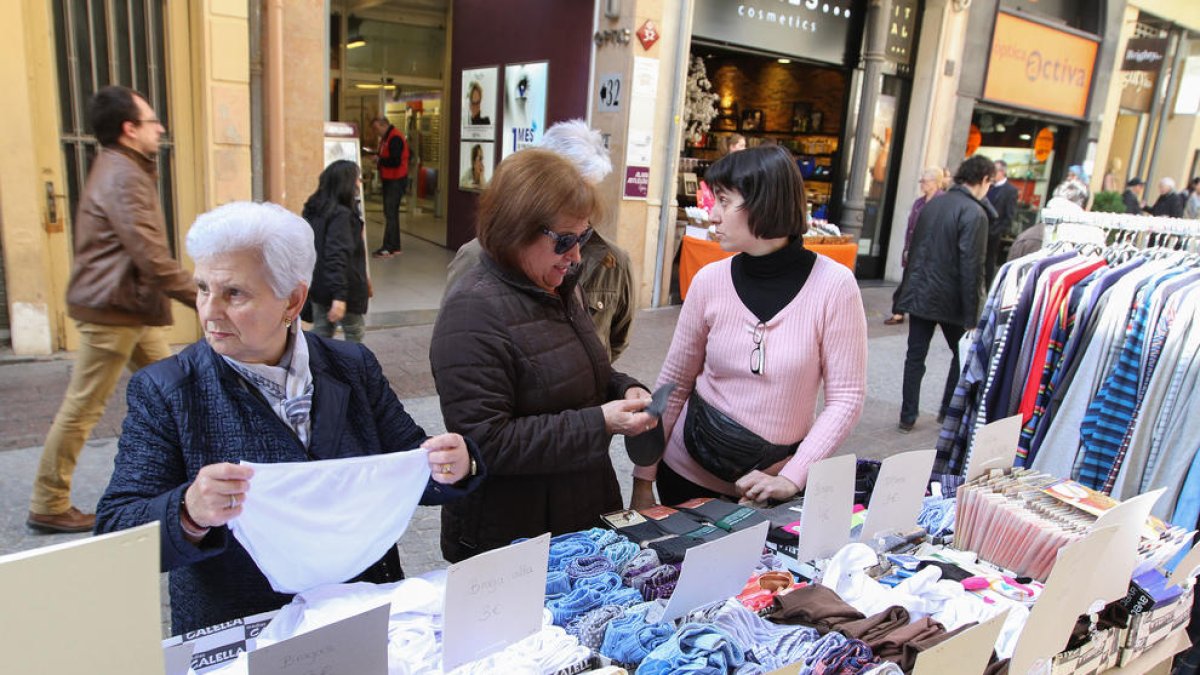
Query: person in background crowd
[[1169, 203], [258, 389], [1132, 196], [340, 289], [761, 337], [732, 143], [930, 185], [943, 283], [122, 281], [1191, 207], [604, 271], [1003, 197], [392, 160], [1075, 172], [520, 369], [1070, 195]]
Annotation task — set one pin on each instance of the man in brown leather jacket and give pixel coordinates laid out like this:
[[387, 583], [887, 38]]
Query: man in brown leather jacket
[[122, 279]]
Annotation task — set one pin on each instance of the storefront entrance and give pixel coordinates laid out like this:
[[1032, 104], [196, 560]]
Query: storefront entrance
[[387, 59]]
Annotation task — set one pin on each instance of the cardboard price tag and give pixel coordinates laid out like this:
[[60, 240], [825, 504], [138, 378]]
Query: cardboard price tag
[[899, 490], [493, 600], [967, 652], [828, 502], [995, 446], [716, 571], [356, 644]]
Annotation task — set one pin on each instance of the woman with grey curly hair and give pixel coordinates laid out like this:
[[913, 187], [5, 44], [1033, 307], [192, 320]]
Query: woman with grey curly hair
[[257, 389]]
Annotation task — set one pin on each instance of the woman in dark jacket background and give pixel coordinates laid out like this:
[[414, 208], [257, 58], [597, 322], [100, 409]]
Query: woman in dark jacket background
[[520, 370], [339, 289]]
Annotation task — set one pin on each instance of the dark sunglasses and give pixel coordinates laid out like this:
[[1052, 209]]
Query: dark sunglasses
[[565, 242]]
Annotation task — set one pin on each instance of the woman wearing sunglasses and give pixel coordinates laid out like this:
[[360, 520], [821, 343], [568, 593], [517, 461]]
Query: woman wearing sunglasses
[[520, 370], [760, 335]]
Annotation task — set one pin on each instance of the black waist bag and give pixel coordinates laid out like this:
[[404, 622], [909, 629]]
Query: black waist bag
[[725, 448]]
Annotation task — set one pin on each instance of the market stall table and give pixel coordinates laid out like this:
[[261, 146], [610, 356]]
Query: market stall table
[[696, 253]]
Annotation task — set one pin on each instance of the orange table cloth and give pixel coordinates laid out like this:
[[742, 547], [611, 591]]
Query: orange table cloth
[[696, 253]]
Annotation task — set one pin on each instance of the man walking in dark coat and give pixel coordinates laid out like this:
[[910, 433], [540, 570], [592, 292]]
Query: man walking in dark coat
[[943, 282], [1003, 196], [1133, 196]]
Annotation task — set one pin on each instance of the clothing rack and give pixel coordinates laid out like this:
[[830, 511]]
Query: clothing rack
[[1030, 347], [1097, 228]]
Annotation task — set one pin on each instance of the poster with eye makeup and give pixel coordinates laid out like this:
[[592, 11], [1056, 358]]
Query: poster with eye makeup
[[524, 105]]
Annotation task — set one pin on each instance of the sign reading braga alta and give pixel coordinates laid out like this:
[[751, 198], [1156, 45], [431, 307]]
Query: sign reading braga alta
[[810, 29]]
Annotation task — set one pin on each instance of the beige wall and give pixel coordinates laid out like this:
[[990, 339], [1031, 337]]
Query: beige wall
[[1184, 12], [208, 88], [305, 82], [33, 295], [1112, 108], [635, 223]]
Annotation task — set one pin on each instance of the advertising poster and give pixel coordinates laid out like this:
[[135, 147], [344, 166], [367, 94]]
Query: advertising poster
[[479, 87], [476, 159], [524, 105]]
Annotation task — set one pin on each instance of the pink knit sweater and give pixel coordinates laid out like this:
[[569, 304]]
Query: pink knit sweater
[[821, 336]]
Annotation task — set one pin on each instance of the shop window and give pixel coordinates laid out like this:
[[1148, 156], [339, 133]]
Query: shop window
[[98, 44], [1032, 149], [1084, 15]]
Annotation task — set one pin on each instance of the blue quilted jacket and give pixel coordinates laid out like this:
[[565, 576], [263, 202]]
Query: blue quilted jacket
[[192, 410]]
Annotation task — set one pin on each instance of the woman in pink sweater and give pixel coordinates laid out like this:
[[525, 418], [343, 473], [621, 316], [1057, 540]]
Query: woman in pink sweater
[[757, 337]]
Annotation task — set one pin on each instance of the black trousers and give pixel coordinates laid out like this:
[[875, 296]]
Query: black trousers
[[393, 192], [992, 260], [675, 489], [920, 334]]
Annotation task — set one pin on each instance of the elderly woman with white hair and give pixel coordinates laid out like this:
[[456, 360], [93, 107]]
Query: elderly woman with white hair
[[258, 389]]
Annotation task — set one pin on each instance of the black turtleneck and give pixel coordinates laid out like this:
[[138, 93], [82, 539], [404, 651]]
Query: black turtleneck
[[767, 283]]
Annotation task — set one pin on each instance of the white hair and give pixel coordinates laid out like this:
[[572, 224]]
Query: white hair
[[1166, 183], [283, 240], [582, 145], [1072, 190]]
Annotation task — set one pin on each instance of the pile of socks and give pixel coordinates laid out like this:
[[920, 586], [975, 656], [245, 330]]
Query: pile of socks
[[937, 516]]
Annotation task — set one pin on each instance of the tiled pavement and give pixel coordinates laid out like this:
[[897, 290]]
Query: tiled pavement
[[30, 391]]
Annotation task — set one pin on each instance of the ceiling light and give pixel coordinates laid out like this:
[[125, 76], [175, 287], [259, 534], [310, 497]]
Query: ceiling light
[[1025, 137], [784, 61], [374, 85], [354, 38]]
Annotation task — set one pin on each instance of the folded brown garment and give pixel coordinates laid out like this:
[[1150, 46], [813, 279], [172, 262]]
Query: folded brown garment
[[814, 605], [903, 644], [874, 629]]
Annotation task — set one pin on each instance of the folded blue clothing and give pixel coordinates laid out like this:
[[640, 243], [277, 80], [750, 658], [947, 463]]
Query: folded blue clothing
[[694, 648], [628, 638]]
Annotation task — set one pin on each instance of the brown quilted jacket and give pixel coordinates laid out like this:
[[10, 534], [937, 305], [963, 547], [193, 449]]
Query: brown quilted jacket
[[521, 372]]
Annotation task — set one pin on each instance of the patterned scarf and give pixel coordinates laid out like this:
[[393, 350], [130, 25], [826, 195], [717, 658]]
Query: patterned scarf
[[287, 387]]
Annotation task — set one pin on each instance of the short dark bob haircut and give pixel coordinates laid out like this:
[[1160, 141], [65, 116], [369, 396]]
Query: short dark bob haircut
[[974, 170], [531, 189], [111, 107], [771, 187]]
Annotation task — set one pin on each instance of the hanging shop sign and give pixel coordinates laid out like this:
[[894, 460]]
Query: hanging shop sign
[[902, 29], [1037, 67], [1043, 145], [805, 28], [1144, 54]]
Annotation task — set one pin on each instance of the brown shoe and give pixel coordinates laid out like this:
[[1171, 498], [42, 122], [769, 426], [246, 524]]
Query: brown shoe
[[73, 520]]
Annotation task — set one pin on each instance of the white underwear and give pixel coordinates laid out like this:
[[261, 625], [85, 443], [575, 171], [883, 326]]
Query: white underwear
[[311, 523]]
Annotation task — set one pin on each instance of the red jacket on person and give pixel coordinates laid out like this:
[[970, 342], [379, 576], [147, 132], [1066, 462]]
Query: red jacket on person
[[389, 168]]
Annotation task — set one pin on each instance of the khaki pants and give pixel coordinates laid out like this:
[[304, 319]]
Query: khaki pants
[[103, 353]]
